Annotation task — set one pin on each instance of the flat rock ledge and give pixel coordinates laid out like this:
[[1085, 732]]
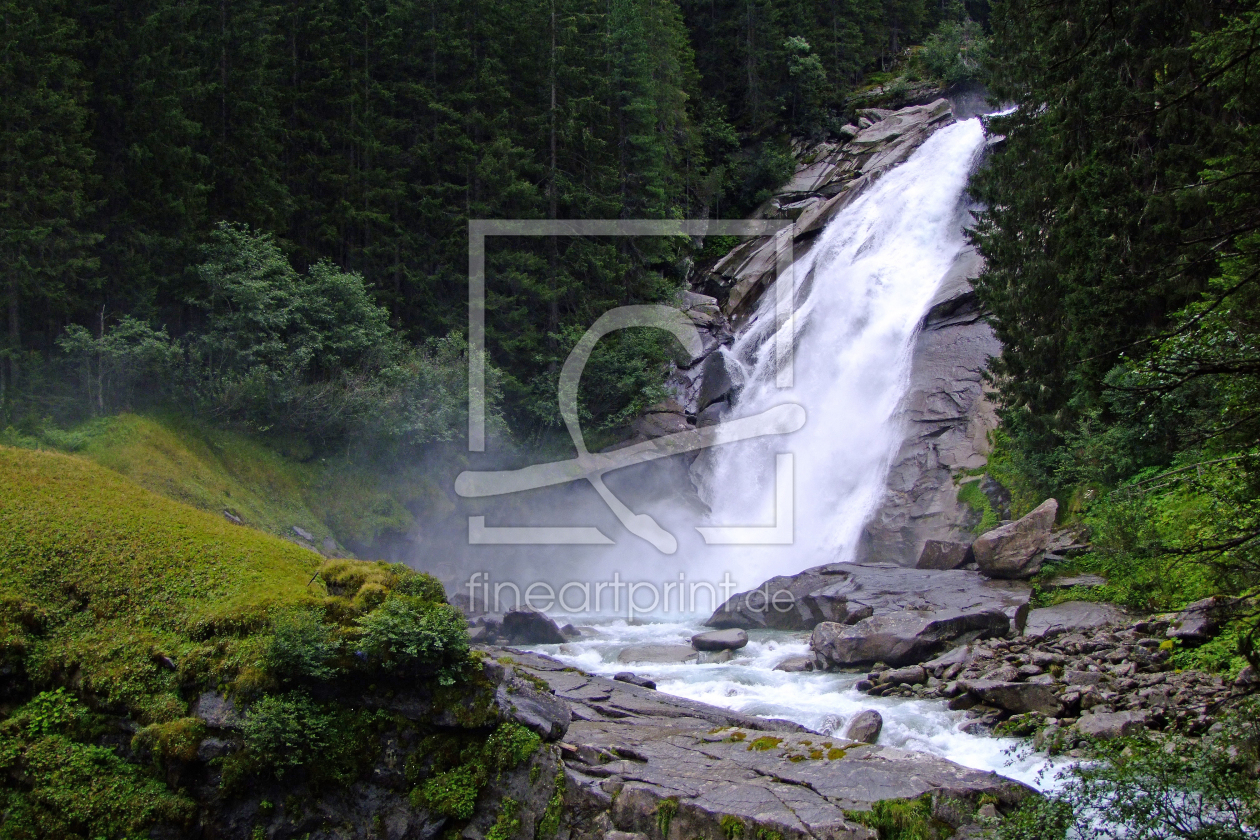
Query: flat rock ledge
[[666, 768]]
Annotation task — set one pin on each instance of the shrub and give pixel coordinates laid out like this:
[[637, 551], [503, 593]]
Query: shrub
[[301, 646], [409, 631], [287, 731]]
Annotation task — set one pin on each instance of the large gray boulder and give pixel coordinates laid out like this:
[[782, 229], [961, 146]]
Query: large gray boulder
[[732, 639], [1198, 622], [846, 593], [942, 555], [1015, 550], [1018, 698], [1072, 617], [1106, 725], [903, 638], [865, 727]]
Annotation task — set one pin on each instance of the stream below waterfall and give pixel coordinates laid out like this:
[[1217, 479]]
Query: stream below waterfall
[[823, 702]]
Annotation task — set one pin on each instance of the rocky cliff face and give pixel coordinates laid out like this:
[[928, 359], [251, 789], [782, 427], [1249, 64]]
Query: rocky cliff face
[[947, 418]]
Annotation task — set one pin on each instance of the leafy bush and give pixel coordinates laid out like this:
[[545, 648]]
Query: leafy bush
[[302, 646], [59, 788], [955, 53], [408, 631], [1173, 788]]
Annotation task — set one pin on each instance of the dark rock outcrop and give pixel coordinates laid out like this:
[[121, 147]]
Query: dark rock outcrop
[[529, 627], [847, 593], [1198, 622], [1016, 550]]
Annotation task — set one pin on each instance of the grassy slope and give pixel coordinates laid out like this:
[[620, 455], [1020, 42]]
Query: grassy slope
[[115, 578], [271, 487]]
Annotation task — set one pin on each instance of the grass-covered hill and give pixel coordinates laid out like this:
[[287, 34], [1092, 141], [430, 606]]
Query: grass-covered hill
[[121, 610]]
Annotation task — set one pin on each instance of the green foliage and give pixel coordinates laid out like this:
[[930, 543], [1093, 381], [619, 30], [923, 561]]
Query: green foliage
[[302, 646], [549, 822], [765, 742], [453, 793], [60, 787], [731, 826], [407, 631], [666, 810], [510, 745], [955, 53], [176, 740], [899, 819], [462, 770], [507, 823], [973, 497], [1145, 788], [287, 731]]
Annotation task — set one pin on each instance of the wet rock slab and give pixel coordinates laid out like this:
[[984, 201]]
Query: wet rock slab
[[847, 593], [647, 748]]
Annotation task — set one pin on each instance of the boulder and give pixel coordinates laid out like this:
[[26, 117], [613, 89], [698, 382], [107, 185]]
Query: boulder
[[902, 638], [542, 712], [216, 711], [732, 639], [634, 679], [530, 627], [796, 664], [846, 593], [1198, 622], [940, 554], [1072, 617], [663, 654], [914, 675], [1017, 698], [1015, 550], [717, 383], [304, 534], [865, 727], [1106, 725]]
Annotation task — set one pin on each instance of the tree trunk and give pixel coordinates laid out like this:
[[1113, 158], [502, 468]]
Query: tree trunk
[[553, 308], [15, 335]]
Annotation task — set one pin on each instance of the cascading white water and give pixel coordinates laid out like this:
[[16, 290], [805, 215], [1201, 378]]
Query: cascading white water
[[875, 269]]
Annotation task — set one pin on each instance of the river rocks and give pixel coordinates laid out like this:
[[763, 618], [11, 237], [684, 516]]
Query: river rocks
[[1018, 698], [1106, 725], [1048, 679], [1015, 550], [913, 675], [797, 664], [902, 637], [1073, 617], [940, 554], [529, 627], [629, 751], [720, 640], [865, 727], [634, 679], [847, 593], [1198, 622], [662, 654]]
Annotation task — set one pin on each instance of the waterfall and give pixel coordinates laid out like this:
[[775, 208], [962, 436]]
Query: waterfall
[[862, 290]]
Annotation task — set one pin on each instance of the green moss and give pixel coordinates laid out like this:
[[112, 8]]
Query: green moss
[[737, 735], [665, 813], [731, 826], [835, 754], [58, 785], [765, 742], [973, 497], [452, 793], [899, 819], [177, 740], [549, 822], [507, 823]]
